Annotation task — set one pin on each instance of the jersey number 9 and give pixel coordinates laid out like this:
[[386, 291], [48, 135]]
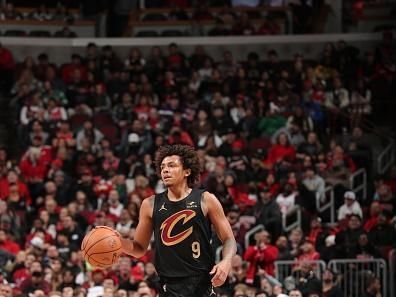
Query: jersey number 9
[[196, 249]]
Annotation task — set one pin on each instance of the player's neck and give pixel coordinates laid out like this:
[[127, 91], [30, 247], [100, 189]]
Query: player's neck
[[178, 192]]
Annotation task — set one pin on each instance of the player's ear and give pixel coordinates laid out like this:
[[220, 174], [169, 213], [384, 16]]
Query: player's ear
[[187, 172]]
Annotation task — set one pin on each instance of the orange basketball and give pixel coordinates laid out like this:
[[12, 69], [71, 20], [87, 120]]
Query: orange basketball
[[101, 247]]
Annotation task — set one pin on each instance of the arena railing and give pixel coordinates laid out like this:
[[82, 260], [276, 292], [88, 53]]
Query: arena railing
[[251, 233], [358, 183], [137, 18], [294, 216], [325, 202], [291, 270], [311, 45], [386, 158], [356, 273], [392, 271]]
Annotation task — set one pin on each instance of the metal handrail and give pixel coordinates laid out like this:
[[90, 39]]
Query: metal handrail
[[385, 159], [361, 187], [251, 232], [349, 267], [321, 207], [295, 224], [392, 270]]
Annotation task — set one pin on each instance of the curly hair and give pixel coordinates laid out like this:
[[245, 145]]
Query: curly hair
[[188, 158]]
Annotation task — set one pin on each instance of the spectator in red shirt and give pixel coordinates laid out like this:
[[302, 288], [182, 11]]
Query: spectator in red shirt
[[308, 252], [7, 66], [13, 178], [260, 256], [280, 151], [7, 244]]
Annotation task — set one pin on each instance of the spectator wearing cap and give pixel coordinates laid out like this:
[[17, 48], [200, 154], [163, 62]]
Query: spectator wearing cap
[[136, 139], [267, 212], [350, 206]]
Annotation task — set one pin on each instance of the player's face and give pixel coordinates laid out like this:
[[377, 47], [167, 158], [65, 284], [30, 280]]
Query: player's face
[[172, 171]]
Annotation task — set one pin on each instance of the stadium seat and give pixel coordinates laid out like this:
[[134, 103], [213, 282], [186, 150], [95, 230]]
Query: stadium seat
[[155, 17], [102, 119], [111, 133], [14, 33], [172, 33], [40, 33], [77, 120], [147, 34]]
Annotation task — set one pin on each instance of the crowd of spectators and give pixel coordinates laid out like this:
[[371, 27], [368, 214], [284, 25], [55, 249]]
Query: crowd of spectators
[[41, 13], [270, 134]]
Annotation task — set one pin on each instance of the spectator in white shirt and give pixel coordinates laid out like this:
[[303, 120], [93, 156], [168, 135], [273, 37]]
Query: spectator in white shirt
[[116, 206], [351, 206], [287, 199], [313, 182]]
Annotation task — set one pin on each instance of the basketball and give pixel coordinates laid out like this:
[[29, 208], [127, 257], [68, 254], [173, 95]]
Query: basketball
[[101, 247]]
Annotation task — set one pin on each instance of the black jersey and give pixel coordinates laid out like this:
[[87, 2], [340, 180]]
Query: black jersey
[[182, 236]]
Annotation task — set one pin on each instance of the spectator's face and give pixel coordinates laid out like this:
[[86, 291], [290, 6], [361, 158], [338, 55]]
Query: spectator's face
[[265, 285], [363, 240], [12, 177], [37, 277], [307, 247], [295, 293], [6, 290], [68, 277], [236, 263], [354, 223], [38, 293], [349, 201], [67, 292], [121, 293], [282, 140], [281, 242], [108, 283], [296, 235], [233, 217]]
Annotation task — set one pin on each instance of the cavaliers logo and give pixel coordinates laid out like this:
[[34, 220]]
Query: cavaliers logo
[[167, 227]]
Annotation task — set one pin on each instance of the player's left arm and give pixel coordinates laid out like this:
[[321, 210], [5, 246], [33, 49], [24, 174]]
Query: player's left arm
[[214, 211]]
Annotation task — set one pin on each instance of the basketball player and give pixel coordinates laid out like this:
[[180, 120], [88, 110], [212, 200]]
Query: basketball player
[[181, 219]]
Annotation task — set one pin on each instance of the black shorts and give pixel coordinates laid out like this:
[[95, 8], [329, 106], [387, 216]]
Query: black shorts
[[193, 286]]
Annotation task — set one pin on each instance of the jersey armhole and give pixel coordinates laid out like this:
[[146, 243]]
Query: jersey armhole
[[202, 203]]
